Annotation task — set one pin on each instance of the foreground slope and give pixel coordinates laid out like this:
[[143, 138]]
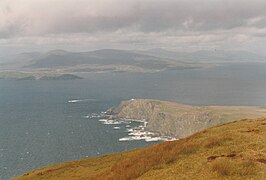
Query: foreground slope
[[235, 150]]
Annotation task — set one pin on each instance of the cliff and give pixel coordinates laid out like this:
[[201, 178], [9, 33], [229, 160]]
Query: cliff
[[179, 120]]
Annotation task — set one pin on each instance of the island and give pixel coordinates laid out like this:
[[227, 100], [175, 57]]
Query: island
[[61, 77], [14, 75]]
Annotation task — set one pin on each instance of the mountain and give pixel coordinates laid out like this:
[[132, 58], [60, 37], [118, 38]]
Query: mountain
[[113, 60], [125, 60], [179, 120], [105, 58], [231, 151], [15, 62]]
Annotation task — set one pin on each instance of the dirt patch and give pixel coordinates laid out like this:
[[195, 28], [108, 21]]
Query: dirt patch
[[262, 161], [210, 158], [231, 155], [251, 131]]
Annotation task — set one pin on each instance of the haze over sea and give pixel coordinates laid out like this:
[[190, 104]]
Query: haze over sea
[[38, 126]]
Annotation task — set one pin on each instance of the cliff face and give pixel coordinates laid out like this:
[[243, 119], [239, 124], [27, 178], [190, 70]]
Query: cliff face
[[179, 120]]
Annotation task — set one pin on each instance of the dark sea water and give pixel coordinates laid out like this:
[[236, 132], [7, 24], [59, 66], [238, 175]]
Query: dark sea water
[[39, 127]]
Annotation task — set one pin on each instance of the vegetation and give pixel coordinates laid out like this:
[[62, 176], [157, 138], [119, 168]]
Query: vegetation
[[235, 150]]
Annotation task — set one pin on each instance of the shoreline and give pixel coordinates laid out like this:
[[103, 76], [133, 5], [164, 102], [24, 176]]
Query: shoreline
[[133, 133]]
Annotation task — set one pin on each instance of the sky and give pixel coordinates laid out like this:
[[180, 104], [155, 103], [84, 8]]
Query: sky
[[181, 25]]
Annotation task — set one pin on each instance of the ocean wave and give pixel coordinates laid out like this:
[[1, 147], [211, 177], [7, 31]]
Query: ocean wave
[[93, 115], [147, 138], [136, 133], [109, 121], [80, 100], [131, 138]]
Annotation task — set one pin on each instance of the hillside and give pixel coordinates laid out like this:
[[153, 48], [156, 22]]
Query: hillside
[[115, 60], [34, 65], [236, 150], [104, 60], [180, 120]]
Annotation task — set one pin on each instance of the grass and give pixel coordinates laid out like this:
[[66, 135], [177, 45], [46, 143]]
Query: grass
[[216, 141], [232, 151], [227, 167]]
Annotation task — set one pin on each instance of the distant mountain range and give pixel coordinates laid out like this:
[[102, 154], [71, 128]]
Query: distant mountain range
[[112, 60], [105, 60], [104, 57], [215, 56]]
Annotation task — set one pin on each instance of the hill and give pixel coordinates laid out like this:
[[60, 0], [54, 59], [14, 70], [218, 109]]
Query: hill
[[180, 120], [236, 150], [115, 60], [95, 61], [57, 62]]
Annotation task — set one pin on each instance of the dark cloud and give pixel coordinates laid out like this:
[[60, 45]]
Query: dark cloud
[[142, 21], [146, 16]]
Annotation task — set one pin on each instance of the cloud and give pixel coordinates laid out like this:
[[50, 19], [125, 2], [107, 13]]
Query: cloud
[[157, 22]]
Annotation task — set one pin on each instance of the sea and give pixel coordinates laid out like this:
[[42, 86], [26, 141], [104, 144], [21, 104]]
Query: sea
[[47, 122]]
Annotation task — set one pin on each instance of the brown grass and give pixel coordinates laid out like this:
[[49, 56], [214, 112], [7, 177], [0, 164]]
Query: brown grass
[[226, 151], [138, 164], [227, 167], [216, 141], [223, 167]]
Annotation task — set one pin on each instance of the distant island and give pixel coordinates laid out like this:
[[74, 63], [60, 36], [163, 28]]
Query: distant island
[[231, 151], [58, 62], [99, 61], [61, 77], [37, 76]]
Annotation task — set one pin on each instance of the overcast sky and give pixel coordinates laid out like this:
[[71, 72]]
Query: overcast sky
[[80, 25]]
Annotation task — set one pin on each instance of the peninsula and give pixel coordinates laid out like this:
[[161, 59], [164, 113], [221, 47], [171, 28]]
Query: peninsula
[[233, 149], [180, 120]]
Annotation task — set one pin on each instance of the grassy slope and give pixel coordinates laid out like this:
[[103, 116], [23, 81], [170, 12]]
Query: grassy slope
[[233, 151]]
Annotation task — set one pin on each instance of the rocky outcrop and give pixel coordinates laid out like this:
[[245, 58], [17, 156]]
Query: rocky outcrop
[[179, 120]]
